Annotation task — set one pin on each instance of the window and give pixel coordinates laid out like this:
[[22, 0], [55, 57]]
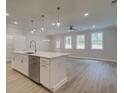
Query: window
[[68, 42], [80, 42], [97, 40], [58, 44]]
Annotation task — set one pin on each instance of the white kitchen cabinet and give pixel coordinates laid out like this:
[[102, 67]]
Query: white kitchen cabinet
[[52, 73], [20, 63], [57, 73], [52, 68], [24, 64], [44, 72], [15, 61]]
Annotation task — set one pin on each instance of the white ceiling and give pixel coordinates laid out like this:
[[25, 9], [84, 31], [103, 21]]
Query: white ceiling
[[101, 13]]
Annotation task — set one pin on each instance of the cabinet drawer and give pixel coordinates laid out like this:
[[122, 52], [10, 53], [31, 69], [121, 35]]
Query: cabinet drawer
[[44, 61]]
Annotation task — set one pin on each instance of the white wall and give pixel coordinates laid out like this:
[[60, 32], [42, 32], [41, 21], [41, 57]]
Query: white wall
[[9, 47], [13, 33], [14, 30], [110, 43], [41, 44], [19, 42], [109, 40]]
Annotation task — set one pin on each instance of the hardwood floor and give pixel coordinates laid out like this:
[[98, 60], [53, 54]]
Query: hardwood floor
[[84, 76]]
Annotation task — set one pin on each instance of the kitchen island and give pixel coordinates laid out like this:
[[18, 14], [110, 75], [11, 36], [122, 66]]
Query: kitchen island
[[45, 68]]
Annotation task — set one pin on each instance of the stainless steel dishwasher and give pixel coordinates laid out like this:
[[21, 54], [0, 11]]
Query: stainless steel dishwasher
[[34, 68]]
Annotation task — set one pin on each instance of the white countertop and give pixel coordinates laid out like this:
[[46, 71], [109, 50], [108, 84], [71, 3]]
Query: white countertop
[[44, 54]]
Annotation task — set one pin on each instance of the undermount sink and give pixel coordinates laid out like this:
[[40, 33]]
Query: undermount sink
[[29, 52]]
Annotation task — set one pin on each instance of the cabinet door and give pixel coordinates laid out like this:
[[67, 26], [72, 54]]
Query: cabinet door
[[44, 72], [24, 64], [15, 61], [20, 63]]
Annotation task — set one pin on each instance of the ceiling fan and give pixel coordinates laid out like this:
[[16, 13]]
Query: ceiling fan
[[72, 28]]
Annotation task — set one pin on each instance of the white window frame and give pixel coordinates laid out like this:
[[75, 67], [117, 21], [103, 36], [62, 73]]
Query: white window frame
[[97, 48], [65, 42], [77, 41]]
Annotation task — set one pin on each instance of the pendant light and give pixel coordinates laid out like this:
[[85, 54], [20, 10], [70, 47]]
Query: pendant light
[[33, 29], [42, 28], [58, 21]]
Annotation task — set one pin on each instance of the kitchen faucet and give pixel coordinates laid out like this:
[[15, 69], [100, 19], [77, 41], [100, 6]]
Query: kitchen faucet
[[33, 41]]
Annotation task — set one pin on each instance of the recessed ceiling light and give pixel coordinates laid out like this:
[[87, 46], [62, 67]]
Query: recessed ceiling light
[[7, 14], [15, 22], [86, 14]]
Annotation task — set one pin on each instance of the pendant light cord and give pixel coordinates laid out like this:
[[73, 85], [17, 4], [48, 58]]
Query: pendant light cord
[[58, 8], [42, 20], [32, 21]]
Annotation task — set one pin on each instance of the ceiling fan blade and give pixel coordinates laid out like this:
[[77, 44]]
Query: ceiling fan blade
[[72, 28]]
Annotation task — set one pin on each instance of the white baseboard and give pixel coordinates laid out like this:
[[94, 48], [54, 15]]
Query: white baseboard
[[109, 60], [57, 86]]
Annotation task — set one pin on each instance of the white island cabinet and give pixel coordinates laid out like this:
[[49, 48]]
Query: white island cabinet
[[52, 67], [52, 72]]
